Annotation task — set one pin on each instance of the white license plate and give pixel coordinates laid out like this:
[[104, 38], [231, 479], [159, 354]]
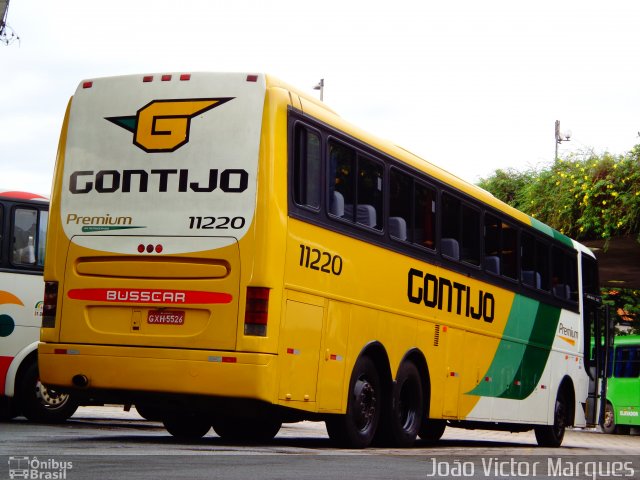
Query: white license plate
[[165, 317]]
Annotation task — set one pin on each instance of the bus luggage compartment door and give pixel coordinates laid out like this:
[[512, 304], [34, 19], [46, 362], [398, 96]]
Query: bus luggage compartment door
[[155, 298]]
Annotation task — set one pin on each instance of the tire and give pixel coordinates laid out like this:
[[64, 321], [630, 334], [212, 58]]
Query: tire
[[247, 430], [552, 435], [609, 425], [187, 427], [432, 430], [40, 403], [404, 418], [8, 409], [357, 428], [153, 414]]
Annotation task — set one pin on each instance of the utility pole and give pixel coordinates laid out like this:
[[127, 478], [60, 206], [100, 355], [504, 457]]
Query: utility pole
[[561, 137], [320, 86]]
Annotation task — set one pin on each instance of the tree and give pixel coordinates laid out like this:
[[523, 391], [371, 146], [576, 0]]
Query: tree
[[585, 196]]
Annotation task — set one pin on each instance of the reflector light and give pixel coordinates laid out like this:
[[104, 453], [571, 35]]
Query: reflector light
[[158, 248], [141, 248], [50, 305], [149, 248], [87, 84], [256, 311], [252, 78], [147, 78], [165, 78], [185, 76], [218, 359]]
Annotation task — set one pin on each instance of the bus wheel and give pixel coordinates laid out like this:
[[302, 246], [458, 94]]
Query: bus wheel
[[407, 404], [151, 413], [357, 427], [609, 425], [247, 430], [43, 404], [8, 408], [187, 427], [552, 435], [432, 430]]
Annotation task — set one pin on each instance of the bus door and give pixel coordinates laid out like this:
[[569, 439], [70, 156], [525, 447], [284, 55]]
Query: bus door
[[597, 339]]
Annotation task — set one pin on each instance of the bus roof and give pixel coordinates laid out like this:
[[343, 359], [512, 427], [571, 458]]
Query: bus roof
[[18, 195], [419, 163]]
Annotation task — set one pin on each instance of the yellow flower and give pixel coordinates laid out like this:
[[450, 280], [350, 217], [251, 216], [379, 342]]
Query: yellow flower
[[582, 229], [604, 202]]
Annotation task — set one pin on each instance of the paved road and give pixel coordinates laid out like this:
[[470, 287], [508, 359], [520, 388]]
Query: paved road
[[106, 442]]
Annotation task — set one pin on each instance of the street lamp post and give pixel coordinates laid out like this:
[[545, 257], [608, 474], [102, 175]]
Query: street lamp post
[[561, 137], [320, 86]]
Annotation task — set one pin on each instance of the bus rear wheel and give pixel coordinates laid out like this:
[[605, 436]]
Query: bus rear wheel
[[357, 428], [432, 430], [552, 435], [406, 409], [247, 430], [186, 426], [43, 404]]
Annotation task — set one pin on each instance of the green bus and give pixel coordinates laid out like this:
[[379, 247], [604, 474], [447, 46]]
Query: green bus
[[622, 385]]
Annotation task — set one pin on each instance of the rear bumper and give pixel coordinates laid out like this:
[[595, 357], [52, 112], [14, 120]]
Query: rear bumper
[[160, 370]]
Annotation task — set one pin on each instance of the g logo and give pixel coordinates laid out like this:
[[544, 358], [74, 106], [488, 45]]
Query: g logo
[[163, 125]]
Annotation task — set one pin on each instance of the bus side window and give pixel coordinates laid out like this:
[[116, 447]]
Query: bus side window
[[500, 247], [400, 206], [627, 362], [24, 237], [341, 173], [306, 167], [535, 263], [359, 181], [369, 210], [450, 230], [460, 230], [564, 275], [42, 236], [425, 216]]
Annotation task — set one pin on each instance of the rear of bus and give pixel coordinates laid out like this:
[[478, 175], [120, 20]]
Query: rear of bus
[[152, 257]]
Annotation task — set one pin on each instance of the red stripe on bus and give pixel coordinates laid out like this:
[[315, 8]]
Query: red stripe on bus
[[154, 296], [22, 195], [4, 368]]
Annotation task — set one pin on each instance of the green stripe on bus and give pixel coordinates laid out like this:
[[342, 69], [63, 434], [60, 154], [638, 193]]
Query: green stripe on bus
[[538, 225], [509, 353], [536, 354], [517, 367]]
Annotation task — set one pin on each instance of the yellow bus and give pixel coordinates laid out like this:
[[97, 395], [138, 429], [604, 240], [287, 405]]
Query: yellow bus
[[228, 252]]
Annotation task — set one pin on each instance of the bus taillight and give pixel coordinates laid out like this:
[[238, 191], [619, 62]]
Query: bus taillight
[[256, 312], [49, 308]]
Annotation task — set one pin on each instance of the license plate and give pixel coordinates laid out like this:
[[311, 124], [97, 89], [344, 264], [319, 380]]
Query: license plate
[[165, 317]]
